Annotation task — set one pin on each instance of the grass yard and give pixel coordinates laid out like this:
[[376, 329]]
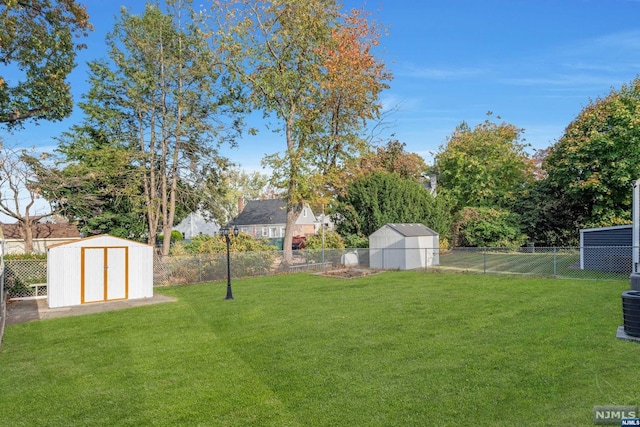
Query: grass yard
[[394, 349]]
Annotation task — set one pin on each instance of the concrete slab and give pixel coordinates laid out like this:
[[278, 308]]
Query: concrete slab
[[621, 334], [36, 309]]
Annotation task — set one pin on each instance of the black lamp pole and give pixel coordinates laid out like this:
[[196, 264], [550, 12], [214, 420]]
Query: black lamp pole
[[225, 232]]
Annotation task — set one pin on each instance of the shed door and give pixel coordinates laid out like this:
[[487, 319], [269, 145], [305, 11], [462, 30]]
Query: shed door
[[104, 274]]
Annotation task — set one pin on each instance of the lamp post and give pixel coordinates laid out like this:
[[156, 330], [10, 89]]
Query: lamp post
[[225, 232]]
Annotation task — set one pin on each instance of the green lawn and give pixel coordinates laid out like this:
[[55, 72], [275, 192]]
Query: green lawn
[[395, 349]]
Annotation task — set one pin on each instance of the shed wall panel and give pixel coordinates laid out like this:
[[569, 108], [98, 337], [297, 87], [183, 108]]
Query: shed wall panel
[[63, 277], [140, 272], [117, 273], [93, 275]]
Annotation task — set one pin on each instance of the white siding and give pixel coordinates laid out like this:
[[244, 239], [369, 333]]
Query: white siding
[[140, 272], [63, 277], [385, 249], [414, 254]]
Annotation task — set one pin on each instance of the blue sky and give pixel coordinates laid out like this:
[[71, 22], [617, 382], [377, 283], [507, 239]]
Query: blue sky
[[535, 64]]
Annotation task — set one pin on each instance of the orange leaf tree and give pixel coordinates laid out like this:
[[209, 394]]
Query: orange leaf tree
[[309, 67]]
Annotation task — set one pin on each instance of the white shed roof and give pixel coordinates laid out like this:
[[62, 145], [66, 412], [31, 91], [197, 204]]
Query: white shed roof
[[100, 240]]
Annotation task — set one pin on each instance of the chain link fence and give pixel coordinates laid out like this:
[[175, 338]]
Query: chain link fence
[[605, 263], [175, 270], [3, 299], [27, 278]]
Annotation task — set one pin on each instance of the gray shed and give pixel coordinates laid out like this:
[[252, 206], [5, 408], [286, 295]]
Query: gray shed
[[404, 247]]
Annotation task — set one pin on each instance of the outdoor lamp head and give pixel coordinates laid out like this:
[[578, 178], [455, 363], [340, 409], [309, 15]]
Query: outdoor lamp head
[[224, 231], [235, 231]]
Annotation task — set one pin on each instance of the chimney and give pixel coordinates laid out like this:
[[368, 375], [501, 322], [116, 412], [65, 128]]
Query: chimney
[[240, 204], [433, 179]]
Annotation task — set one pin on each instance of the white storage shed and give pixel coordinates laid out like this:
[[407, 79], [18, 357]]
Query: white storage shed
[[98, 269], [403, 247]]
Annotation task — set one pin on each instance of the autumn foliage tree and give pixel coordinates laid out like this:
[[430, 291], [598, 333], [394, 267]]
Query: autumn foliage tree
[[390, 158], [393, 158], [353, 78], [311, 68]]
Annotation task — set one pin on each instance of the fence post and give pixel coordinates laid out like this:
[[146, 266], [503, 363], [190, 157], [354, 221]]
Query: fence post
[[426, 259], [484, 258], [555, 262], [200, 268]]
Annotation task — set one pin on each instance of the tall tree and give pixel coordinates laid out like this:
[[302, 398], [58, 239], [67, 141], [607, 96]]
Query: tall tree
[[36, 38], [241, 185], [393, 158], [19, 191], [593, 165], [160, 100], [95, 182], [486, 166], [548, 216], [310, 67], [353, 78]]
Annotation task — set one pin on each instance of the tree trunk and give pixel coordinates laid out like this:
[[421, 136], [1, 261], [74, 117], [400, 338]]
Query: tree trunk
[[27, 233], [293, 212]]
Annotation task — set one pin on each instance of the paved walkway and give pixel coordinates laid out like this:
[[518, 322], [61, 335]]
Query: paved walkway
[[35, 309]]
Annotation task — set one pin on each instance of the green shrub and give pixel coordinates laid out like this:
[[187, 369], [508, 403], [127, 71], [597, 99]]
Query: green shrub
[[489, 227], [22, 257], [355, 241], [332, 240]]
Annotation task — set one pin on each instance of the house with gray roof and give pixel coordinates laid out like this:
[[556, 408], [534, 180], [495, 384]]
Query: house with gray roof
[[267, 219]]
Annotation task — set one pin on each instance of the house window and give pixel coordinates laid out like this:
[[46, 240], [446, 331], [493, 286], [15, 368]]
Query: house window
[[274, 232], [304, 212], [281, 231], [265, 232]]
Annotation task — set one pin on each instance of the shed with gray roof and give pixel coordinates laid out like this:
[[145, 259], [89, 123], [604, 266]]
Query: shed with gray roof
[[403, 247]]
